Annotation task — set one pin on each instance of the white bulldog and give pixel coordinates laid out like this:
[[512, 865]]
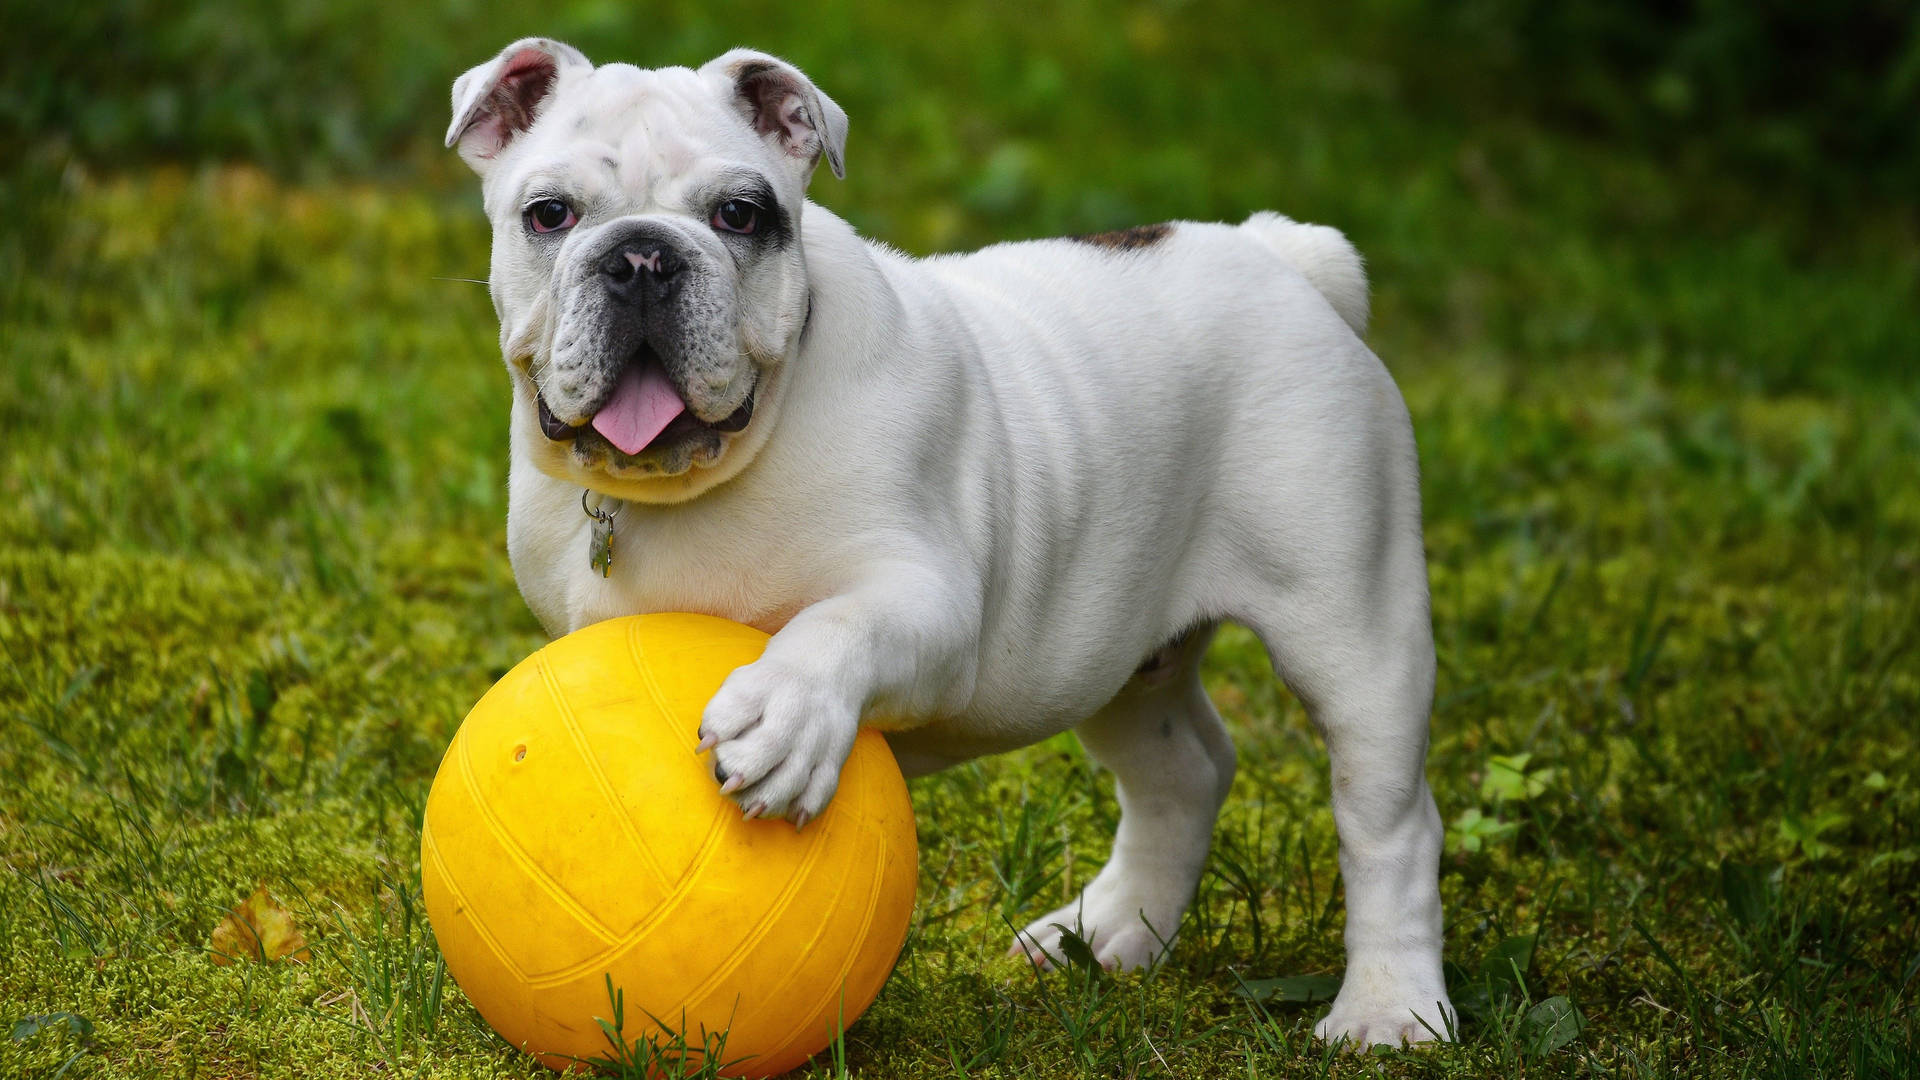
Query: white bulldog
[[976, 499]]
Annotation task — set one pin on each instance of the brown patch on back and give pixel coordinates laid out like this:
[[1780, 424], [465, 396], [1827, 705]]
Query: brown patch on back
[[1140, 236]]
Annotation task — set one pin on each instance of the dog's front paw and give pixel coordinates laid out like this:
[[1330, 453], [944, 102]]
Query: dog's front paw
[[1375, 1008], [1127, 920], [779, 739]]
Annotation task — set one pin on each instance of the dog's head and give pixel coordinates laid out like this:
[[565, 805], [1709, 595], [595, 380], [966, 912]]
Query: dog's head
[[647, 267]]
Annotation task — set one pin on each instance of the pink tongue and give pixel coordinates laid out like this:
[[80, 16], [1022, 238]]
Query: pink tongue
[[641, 408]]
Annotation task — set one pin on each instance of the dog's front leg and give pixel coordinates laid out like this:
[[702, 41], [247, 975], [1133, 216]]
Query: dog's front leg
[[780, 728]]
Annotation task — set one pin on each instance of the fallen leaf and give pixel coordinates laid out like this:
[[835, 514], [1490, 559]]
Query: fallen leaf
[[1292, 989], [1551, 1025], [259, 929]]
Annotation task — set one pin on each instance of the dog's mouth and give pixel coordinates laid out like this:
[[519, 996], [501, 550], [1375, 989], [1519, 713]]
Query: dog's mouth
[[642, 412]]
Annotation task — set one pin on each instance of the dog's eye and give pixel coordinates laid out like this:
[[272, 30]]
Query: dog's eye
[[550, 215], [737, 216]]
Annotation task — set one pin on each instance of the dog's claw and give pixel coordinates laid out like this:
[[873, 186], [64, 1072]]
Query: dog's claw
[[706, 743], [800, 820], [731, 784], [1040, 961], [1032, 953], [754, 811]]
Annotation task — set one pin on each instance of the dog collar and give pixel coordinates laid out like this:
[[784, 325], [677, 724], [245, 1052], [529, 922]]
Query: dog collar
[[602, 510]]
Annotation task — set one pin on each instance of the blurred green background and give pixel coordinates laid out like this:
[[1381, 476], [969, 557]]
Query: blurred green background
[[1768, 137], [1647, 274], [1822, 93]]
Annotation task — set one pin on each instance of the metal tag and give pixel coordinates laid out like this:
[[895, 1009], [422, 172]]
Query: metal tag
[[600, 550], [600, 543]]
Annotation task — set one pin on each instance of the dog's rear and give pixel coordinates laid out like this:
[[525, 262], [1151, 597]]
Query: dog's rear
[[1323, 256]]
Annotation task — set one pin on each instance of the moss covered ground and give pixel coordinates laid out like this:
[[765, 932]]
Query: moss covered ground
[[252, 574]]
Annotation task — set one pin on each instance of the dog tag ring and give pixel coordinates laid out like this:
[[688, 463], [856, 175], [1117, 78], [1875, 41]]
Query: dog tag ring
[[600, 544]]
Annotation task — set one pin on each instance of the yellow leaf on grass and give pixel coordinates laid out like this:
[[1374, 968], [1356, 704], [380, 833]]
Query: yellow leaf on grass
[[259, 929]]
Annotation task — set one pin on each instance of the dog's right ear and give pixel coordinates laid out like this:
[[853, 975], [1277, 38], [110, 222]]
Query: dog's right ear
[[499, 99], [782, 104]]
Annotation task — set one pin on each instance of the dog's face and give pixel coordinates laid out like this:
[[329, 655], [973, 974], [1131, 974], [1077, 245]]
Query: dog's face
[[647, 266]]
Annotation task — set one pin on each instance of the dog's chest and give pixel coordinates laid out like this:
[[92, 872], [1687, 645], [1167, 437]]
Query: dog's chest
[[676, 560]]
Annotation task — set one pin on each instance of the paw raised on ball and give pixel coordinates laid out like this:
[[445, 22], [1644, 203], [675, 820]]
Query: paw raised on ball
[[778, 739]]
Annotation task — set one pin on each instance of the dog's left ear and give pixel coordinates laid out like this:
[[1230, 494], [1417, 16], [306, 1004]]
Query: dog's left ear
[[784, 105], [498, 100]]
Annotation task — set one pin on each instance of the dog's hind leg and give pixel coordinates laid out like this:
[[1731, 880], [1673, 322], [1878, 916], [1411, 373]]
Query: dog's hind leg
[[1353, 639], [1172, 763]]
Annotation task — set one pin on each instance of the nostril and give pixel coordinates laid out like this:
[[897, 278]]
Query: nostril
[[616, 266], [624, 264], [652, 258]]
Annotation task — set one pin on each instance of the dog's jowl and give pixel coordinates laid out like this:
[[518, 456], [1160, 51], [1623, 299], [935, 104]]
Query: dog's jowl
[[977, 499]]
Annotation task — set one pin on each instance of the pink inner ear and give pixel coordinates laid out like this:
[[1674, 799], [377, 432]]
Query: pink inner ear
[[523, 84], [799, 126], [779, 110], [524, 59]]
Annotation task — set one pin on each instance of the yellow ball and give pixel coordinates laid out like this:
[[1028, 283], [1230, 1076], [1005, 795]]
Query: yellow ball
[[572, 834]]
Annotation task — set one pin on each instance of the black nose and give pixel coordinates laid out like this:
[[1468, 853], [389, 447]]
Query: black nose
[[636, 264]]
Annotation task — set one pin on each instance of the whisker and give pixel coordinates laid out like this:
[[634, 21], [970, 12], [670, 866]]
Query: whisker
[[473, 281]]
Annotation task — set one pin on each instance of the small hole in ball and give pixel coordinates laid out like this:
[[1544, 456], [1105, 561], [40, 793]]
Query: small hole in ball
[[520, 753]]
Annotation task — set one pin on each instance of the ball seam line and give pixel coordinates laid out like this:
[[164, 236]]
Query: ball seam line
[[839, 986], [531, 869], [716, 825], [429, 845], [709, 844], [628, 940], [779, 988], [772, 915], [572, 725]]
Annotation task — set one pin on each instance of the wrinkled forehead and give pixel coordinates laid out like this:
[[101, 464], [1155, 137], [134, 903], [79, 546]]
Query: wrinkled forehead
[[648, 129]]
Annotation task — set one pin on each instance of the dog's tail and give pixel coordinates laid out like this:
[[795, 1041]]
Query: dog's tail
[[1324, 257]]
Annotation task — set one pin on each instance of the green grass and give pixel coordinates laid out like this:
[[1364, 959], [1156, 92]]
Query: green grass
[[252, 573]]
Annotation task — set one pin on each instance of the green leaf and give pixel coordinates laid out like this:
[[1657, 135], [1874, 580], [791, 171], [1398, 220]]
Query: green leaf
[[27, 1027], [1474, 830], [1077, 952], [1507, 963], [1292, 989], [1551, 1025], [1468, 990], [1507, 779], [1804, 833]]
